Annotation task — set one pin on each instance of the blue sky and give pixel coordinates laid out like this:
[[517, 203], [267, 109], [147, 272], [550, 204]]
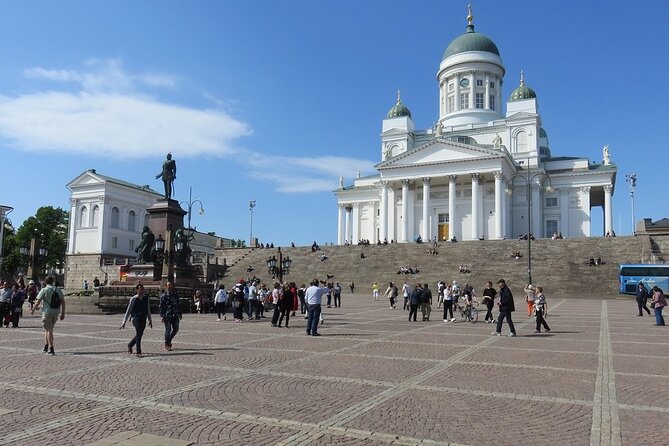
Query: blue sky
[[272, 100]]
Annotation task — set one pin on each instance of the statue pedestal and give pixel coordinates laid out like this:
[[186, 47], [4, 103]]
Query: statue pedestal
[[165, 215], [143, 273]]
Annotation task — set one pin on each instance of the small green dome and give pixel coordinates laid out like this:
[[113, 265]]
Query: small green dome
[[470, 41], [398, 109], [522, 92], [542, 133]]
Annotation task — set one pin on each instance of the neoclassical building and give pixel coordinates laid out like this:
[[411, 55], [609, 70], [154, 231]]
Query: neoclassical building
[[480, 172]]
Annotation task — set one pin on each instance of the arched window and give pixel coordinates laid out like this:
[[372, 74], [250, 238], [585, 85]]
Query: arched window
[[96, 215], [83, 217], [521, 142], [131, 221], [114, 217]]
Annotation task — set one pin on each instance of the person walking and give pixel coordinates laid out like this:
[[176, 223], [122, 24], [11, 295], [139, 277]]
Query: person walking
[[426, 304], [415, 299], [220, 300], [303, 303], [54, 303], [658, 303], [5, 303], [16, 304], [391, 294], [540, 308], [314, 296], [352, 287], [375, 291], [286, 302], [170, 314], [337, 295], [406, 291], [642, 298], [529, 298], [489, 294], [32, 291], [448, 303], [253, 301], [506, 307], [276, 297], [140, 311]]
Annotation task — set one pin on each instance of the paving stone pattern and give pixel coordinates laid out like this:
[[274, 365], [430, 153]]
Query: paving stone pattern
[[372, 378]]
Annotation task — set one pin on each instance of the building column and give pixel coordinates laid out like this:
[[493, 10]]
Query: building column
[[426, 209], [564, 212], [486, 99], [405, 211], [475, 205], [499, 212], [383, 222], [472, 90], [347, 225], [355, 234], [451, 206], [73, 226], [457, 92], [340, 224], [584, 204], [608, 211]]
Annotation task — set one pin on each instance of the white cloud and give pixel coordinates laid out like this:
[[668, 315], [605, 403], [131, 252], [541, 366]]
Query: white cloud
[[110, 115], [302, 174]]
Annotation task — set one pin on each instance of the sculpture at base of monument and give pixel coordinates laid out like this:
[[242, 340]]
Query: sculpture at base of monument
[[146, 249], [183, 257], [168, 174]]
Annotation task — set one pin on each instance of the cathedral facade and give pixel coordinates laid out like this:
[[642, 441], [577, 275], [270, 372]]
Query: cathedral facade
[[480, 172]]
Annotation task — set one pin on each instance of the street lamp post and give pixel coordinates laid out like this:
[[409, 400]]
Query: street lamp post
[[630, 178], [165, 254], [190, 204], [4, 222], [33, 255], [252, 204], [529, 178], [279, 268]]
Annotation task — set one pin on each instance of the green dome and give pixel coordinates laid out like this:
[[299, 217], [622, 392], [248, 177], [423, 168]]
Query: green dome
[[522, 92], [398, 109], [471, 41]]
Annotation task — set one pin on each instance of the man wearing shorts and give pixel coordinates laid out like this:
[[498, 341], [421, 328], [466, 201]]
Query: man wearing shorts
[[53, 303]]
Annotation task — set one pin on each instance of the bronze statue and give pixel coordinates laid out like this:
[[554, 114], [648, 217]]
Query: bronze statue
[[146, 246], [183, 257], [169, 174]]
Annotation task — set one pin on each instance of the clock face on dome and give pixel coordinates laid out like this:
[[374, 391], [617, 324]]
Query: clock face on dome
[[464, 82]]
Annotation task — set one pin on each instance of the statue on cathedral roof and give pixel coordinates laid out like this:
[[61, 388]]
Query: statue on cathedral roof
[[606, 155]]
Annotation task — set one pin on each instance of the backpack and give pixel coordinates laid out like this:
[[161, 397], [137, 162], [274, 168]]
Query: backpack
[[54, 302]]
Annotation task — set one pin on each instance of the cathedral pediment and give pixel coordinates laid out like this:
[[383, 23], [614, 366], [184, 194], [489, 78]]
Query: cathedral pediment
[[87, 178], [440, 151]]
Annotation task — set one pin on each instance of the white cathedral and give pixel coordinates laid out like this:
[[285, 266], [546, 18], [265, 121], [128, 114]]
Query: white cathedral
[[479, 173]]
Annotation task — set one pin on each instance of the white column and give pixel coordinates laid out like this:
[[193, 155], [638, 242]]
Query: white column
[[355, 236], [73, 225], [340, 225], [472, 90], [564, 211], [584, 204], [383, 222], [457, 92], [608, 212], [499, 212], [475, 206], [451, 206], [347, 226], [426, 210], [486, 99], [405, 211]]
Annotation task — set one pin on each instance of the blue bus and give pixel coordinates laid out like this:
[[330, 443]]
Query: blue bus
[[649, 275]]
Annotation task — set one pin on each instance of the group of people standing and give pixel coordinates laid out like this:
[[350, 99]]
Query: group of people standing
[[12, 298]]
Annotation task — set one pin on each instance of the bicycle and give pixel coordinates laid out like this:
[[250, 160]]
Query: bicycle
[[469, 313]]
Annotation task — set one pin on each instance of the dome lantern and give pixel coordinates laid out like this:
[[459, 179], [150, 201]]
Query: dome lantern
[[399, 109]]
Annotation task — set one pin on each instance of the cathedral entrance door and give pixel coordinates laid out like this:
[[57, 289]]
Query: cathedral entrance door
[[443, 232]]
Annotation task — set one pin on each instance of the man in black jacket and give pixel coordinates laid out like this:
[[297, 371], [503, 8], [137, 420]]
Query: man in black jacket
[[506, 307]]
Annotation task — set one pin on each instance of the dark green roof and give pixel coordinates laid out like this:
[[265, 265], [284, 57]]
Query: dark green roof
[[523, 91], [471, 41], [398, 109]]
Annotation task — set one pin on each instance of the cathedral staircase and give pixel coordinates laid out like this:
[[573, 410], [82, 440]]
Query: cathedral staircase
[[560, 266]]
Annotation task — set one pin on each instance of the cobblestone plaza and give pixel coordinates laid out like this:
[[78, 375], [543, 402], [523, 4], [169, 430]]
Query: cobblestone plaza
[[372, 378]]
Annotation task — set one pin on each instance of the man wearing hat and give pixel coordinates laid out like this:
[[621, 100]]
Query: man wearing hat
[[32, 291]]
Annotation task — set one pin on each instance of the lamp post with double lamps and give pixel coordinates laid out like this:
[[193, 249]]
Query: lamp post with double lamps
[[630, 178], [190, 204], [279, 267], [4, 223], [34, 255], [529, 178]]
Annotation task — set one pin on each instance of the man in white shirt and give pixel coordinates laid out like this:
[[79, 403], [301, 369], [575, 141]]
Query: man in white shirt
[[220, 301], [313, 297], [253, 300]]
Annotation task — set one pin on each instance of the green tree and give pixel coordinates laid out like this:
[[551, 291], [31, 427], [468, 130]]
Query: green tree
[[49, 227]]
